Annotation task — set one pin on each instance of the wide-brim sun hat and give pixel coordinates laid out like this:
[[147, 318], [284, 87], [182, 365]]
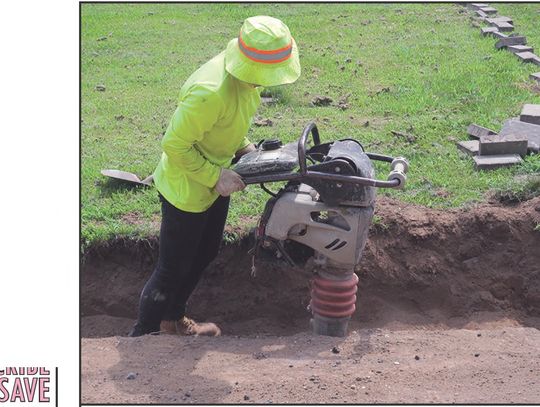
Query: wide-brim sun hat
[[264, 53]]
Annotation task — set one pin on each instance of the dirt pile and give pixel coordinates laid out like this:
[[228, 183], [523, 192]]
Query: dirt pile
[[420, 267]]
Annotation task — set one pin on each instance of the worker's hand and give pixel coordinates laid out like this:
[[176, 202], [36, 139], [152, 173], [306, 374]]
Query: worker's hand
[[229, 182], [247, 149]]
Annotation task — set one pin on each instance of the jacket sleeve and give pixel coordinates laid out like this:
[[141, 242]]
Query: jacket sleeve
[[195, 115], [245, 142]]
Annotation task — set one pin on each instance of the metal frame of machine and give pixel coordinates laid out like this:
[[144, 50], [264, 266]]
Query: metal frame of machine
[[327, 205]]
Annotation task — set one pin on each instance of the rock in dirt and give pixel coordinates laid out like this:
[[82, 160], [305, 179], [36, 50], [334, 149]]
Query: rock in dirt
[[335, 349], [417, 357], [246, 397], [385, 89], [259, 355], [342, 105], [321, 101], [343, 102], [263, 122], [409, 137], [268, 100], [131, 376]]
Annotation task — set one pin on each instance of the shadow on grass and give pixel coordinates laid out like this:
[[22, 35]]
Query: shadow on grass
[[110, 186]]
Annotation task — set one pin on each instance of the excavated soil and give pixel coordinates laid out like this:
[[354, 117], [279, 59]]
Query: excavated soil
[[448, 310]]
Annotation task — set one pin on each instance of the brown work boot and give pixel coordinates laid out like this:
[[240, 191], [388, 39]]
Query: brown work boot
[[187, 326]]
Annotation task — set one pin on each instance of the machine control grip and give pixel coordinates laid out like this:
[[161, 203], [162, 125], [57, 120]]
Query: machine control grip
[[399, 168]]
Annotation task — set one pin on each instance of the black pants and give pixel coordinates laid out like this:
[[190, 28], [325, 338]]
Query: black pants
[[188, 242]]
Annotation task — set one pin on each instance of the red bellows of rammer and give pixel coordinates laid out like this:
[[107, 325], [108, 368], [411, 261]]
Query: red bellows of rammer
[[334, 298]]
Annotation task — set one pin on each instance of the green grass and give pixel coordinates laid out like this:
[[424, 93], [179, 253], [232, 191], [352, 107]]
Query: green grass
[[421, 69]]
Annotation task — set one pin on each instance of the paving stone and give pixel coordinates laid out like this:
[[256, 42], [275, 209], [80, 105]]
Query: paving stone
[[530, 114], [535, 76], [503, 26], [519, 48], [528, 57], [505, 144], [519, 128], [488, 31], [469, 147], [481, 14], [476, 6], [491, 162], [476, 131], [498, 34], [488, 10], [501, 19], [506, 41]]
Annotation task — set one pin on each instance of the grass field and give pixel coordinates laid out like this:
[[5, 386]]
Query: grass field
[[421, 69]]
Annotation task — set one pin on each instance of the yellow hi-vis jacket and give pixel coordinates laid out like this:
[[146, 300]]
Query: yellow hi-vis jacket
[[209, 125]]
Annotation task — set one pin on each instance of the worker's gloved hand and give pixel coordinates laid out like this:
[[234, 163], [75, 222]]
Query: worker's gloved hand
[[229, 182]]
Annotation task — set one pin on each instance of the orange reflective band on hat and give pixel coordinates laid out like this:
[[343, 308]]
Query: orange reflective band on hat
[[265, 57]]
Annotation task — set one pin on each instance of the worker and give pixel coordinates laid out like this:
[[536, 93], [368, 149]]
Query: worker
[[208, 129]]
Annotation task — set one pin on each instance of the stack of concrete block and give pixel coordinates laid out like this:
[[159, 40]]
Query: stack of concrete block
[[515, 43], [530, 114], [488, 31], [517, 137], [482, 8], [526, 125], [487, 10], [514, 49], [506, 41], [528, 57], [503, 24]]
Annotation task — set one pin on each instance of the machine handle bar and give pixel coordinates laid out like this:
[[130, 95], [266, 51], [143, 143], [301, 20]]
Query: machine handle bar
[[296, 176], [399, 167], [302, 141]]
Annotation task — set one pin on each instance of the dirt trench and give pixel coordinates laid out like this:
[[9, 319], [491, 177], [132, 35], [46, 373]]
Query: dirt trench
[[421, 268]]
